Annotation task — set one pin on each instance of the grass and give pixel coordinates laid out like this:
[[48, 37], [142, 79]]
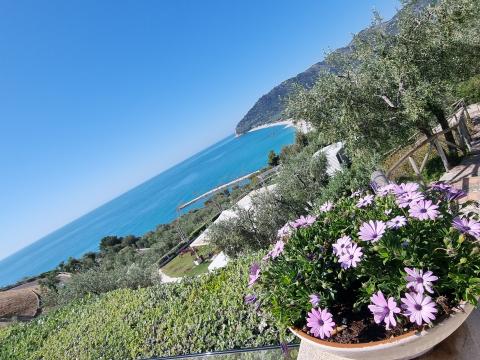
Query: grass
[[200, 269], [183, 264]]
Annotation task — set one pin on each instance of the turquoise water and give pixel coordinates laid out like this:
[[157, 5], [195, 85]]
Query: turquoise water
[[149, 204]]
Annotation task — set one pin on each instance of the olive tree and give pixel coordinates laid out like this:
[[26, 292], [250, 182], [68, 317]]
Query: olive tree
[[298, 184], [396, 80]]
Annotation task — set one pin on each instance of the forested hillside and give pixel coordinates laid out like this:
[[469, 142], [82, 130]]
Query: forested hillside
[[270, 107]]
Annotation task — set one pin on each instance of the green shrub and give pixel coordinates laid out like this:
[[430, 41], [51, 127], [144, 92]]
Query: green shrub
[[301, 183], [343, 182], [200, 314], [98, 280], [470, 90], [252, 229]]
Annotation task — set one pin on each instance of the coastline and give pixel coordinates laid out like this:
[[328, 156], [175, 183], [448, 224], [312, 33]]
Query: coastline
[[300, 125], [287, 123], [218, 188]]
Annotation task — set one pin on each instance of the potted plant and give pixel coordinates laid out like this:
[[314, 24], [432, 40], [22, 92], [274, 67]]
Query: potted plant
[[384, 276]]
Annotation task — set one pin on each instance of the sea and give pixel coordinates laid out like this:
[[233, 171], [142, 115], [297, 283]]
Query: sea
[[151, 203]]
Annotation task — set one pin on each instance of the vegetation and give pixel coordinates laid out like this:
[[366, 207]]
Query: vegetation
[[431, 172], [200, 314], [316, 264], [133, 262], [300, 184], [396, 80], [273, 159], [469, 90], [392, 85]]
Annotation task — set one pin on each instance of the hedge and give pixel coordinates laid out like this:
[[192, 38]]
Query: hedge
[[201, 314]]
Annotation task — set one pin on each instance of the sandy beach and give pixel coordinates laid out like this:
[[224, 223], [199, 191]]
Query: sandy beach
[[300, 125]]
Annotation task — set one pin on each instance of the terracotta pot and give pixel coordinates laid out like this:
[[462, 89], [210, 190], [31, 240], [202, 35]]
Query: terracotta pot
[[405, 346]]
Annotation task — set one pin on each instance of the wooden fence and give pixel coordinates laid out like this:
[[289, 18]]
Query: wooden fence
[[458, 126]]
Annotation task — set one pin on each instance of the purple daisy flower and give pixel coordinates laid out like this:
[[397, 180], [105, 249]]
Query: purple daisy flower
[[419, 308], [384, 310], [405, 188], [420, 281], [407, 198], [314, 300], [441, 186], [285, 231], [277, 249], [423, 210], [304, 221], [467, 226], [454, 194], [320, 323], [326, 206], [385, 190], [372, 230], [365, 201], [254, 274], [250, 299], [341, 245], [397, 222], [351, 256]]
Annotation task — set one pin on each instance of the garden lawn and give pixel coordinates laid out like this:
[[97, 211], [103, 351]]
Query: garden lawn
[[183, 264], [200, 314]]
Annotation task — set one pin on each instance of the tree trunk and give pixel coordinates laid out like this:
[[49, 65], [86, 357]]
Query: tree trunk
[[442, 120], [425, 131]]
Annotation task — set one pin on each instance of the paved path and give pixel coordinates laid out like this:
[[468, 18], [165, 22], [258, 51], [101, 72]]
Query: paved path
[[168, 279], [466, 175]]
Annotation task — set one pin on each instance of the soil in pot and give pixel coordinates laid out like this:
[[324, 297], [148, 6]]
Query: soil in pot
[[359, 327]]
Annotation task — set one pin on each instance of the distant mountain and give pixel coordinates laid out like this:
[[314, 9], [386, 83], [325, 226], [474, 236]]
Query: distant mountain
[[269, 108]]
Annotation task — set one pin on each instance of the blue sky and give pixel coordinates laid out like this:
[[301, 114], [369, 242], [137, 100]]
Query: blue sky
[[98, 96]]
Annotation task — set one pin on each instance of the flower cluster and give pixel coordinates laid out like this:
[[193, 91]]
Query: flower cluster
[[449, 192], [348, 253], [417, 307], [304, 221], [359, 245], [365, 201]]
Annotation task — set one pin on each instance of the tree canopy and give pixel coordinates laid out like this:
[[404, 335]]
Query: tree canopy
[[395, 82]]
